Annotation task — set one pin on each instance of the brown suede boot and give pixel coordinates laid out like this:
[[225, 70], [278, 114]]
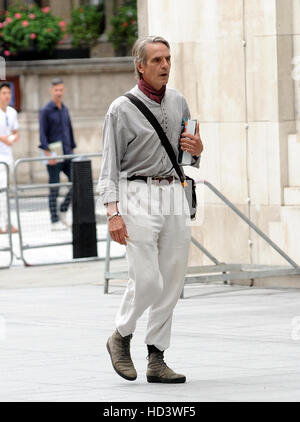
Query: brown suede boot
[[158, 371], [119, 349]]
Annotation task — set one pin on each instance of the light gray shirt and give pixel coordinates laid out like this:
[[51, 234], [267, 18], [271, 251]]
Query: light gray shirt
[[131, 146]]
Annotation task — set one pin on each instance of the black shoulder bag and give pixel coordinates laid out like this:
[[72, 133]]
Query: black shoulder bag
[[187, 182]]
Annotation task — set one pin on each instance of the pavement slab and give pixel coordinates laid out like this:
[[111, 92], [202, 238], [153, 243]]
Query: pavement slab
[[233, 343]]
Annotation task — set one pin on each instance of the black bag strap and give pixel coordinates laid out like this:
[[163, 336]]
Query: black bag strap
[[160, 132]]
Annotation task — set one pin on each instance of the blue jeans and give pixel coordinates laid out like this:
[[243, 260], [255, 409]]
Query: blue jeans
[[54, 172]]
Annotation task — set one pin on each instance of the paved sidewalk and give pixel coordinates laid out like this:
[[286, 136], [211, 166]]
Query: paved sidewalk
[[233, 343]]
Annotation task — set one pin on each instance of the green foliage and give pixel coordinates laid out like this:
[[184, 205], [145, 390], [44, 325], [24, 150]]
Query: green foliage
[[124, 30], [87, 23], [28, 26]]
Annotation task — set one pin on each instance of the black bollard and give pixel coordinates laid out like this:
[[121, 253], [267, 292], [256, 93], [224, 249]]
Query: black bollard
[[84, 221]]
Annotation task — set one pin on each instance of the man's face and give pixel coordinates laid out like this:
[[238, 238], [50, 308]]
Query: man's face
[[5, 96], [156, 70], [57, 92]]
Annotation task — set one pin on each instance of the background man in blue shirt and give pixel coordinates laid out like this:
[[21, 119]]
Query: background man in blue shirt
[[55, 126]]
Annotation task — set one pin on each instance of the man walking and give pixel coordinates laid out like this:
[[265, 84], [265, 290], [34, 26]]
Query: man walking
[[8, 136], [137, 180], [56, 130]]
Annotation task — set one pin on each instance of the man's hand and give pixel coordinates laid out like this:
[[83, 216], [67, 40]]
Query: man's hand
[[5, 140], [50, 162], [117, 230], [116, 225], [16, 134], [191, 143]]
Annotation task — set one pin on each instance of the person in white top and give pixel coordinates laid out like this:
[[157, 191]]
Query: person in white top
[[8, 136]]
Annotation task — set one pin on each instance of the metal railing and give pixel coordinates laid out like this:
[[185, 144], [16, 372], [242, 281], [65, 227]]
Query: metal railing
[[220, 271], [6, 247], [35, 235]]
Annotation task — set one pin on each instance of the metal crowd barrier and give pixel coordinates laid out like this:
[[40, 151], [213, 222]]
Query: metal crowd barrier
[[220, 271], [38, 244], [6, 247]]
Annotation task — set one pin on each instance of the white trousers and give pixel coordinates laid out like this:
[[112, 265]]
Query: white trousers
[[3, 198], [157, 254]]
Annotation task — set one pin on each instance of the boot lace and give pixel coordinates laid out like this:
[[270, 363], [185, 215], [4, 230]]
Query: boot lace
[[158, 362], [125, 352]]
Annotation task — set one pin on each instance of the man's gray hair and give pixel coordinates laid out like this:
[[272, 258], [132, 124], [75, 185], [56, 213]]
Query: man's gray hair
[[56, 81], [139, 50]]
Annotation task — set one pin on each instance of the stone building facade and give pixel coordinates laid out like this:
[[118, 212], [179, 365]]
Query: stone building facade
[[238, 64], [90, 86]]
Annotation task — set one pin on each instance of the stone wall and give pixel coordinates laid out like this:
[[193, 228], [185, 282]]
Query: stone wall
[[91, 85], [296, 59], [233, 62]]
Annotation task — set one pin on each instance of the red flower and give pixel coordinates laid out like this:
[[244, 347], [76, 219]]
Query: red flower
[[46, 9], [62, 24], [18, 15], [1, 25], [31, 15], [33, 36], [6, 53], [8, 20], [49, 29], [25, 23], [124, 24]]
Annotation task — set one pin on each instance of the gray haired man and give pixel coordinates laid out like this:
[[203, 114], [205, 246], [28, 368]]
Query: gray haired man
[[137, 179]]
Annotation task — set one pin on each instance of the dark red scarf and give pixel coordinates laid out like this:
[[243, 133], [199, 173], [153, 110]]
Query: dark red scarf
[[152, 93]]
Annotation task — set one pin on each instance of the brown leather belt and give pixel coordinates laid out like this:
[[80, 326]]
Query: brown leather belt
[[159, 179]]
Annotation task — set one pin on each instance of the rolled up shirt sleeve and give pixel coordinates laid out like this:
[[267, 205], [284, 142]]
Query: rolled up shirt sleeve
[[114, 147], [15, 123]]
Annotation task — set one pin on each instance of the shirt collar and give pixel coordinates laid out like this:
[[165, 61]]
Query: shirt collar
[[152, 93], [53, 105]]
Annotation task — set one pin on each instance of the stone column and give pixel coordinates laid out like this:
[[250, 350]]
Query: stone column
[[75, 3], [61, 8], [296, 59], [270, 96], [109, 11], [143, 17]]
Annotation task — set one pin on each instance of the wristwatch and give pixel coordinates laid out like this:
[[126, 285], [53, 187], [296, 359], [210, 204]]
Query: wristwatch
[[114, 214]]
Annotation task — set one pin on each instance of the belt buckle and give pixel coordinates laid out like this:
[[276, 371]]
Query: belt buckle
[[164, 181], [155, 180]]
